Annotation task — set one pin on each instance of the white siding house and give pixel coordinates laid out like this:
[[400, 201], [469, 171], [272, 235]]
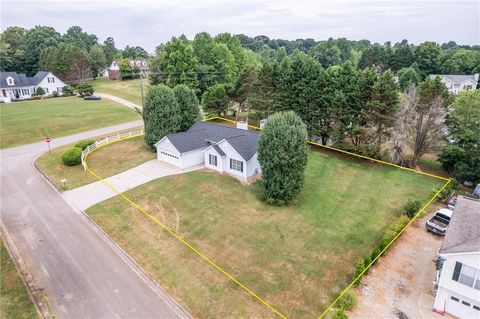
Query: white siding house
[[458, 83], [226, 150], [458, 283], [15, 86]]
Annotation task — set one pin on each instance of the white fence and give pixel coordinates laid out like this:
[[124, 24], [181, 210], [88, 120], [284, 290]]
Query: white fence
[[107, 140]]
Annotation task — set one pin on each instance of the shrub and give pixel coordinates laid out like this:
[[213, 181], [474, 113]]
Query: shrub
[[367, 262], [359, 268], [68, 90], [85, 89], [375, 253], [40, 91], [72, 157], [393, 230], [282, 154], [55, 94], [84, 144], [412, 207], [348, 301], [339, 314]]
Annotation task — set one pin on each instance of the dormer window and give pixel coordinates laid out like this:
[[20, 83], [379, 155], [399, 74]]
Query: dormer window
[[10, 81], [144, 63], [132, 63], [138, 63]]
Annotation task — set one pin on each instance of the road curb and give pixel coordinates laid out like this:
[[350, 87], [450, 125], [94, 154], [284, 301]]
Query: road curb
[[36, 294], [150, 281]]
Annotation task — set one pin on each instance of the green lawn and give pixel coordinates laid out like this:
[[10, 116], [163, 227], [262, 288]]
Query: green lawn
[[15, 302], [30, 121], [295, 257], [128, 89], [134, 152]]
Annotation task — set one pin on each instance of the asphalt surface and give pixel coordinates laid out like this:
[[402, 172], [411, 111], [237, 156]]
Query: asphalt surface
[[83, 275]]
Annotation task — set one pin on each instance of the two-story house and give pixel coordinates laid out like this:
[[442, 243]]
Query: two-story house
[[458, 282], [139, 65], [458, 83], [15, 86]]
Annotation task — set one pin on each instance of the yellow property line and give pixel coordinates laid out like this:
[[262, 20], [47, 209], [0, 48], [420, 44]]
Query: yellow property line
[[229, 276]]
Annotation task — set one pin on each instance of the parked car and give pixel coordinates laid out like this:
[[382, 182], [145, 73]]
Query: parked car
[[92, 97], [438, 224]]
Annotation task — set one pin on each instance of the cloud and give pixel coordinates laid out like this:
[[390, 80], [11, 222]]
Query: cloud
[[148, 23]]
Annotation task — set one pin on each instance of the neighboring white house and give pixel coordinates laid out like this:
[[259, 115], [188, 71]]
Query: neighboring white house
[[16, 86], [139, 65], [458, 291], [224, 149], [458, 83]]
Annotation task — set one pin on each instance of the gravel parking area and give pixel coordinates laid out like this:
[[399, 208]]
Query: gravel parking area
[[401, 283]]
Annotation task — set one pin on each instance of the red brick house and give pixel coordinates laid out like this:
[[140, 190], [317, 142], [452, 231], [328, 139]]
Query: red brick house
[[140, 66]]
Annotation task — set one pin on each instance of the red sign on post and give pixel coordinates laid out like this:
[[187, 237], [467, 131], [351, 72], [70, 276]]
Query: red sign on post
[[48, 140]]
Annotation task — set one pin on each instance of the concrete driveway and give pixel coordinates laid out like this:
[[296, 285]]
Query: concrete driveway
[[91, 194], [83, 274]]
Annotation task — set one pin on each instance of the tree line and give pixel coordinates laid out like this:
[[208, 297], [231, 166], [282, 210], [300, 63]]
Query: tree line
[[73, 56], [384, 107]]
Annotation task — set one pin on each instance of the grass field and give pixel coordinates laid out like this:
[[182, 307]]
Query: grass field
[[15, 303], [128, 89], [295, 257], [30, 121], [105, 161]]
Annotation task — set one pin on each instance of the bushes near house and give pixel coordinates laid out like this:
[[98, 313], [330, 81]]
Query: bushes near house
[[85, 89], [72, 157], [348, 301], [40, 91], [84, 144], [68, 90]]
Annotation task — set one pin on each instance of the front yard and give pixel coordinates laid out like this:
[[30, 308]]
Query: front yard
[[106, 161], [129, 89], [30, 121], [296, 257]]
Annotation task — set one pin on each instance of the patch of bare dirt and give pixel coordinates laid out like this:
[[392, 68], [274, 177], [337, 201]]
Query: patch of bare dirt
[[400, 285]]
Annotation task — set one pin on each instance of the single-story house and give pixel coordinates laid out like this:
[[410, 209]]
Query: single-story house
[[457, 83], [458, 282], [224, 149], [139, 66], [16, 86]]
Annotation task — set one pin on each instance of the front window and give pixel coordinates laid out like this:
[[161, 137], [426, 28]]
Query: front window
[[236, 165], [212, 160]]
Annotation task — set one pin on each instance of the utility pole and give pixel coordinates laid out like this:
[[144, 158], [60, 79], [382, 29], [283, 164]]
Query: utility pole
[[141, 87]]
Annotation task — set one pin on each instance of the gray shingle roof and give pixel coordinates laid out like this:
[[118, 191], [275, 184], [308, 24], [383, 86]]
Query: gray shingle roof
[[37, 78], [463, 233], [456, 78], [201, 134], [21, 80]]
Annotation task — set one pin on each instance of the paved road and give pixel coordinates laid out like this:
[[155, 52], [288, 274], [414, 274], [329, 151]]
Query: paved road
[[91, 194], [119, 100], [82, 275]]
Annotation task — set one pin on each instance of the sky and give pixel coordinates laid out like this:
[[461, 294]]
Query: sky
[[148, 23]]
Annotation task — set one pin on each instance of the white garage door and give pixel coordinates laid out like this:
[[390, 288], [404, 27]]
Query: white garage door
[[461, 308], [169, 157]]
